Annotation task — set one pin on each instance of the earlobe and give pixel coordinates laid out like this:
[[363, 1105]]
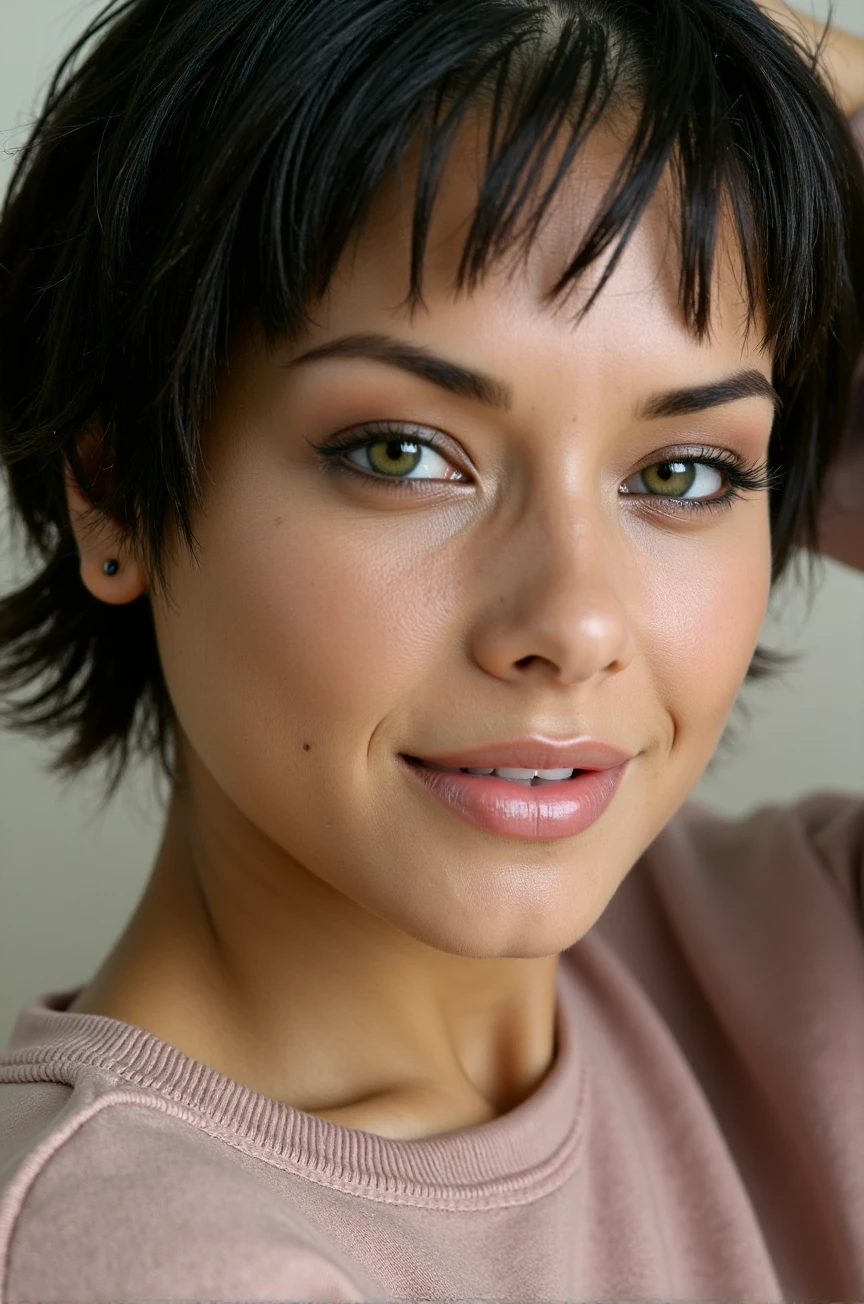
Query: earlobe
[[108, 569]]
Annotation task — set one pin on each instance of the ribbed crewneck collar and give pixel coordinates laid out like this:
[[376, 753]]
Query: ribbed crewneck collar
[[521, 1155]]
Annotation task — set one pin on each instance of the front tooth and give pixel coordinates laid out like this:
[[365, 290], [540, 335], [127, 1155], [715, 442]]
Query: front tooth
[[508, 773], [554, 774], [481, 771]]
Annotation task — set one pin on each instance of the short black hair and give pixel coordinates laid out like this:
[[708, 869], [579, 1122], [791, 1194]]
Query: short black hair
[[201, 162]]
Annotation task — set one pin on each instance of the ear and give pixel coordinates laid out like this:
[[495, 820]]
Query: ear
[[99, 538]]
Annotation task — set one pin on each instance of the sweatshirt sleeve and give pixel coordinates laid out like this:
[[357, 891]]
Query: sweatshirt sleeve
[[133, 1207], [833, 824], [303, 1274]]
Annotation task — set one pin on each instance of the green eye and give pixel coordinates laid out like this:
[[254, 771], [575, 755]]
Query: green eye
[[396, 457], [676, 479]]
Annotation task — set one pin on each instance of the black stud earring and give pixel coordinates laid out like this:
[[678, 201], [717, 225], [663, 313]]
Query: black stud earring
[[111, 567]]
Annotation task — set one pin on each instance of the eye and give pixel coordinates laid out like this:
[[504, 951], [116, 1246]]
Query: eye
[[686, 482], [682, 479], [391, 452], [399, 458]]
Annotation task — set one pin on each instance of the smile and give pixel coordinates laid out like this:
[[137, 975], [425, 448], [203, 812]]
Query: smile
[[542, 808]]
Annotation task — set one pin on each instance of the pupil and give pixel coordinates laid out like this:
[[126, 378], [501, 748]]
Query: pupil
[[666, 470]]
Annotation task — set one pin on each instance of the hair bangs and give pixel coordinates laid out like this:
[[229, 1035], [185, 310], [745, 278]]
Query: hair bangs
[[692, 91]]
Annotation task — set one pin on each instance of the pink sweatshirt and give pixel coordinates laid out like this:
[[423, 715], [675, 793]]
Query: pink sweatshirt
[[699, 1136]]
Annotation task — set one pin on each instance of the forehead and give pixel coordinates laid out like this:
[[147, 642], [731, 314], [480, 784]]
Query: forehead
[[637, 312]]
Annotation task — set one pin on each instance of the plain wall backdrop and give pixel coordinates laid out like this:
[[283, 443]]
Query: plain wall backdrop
[[69, 880]]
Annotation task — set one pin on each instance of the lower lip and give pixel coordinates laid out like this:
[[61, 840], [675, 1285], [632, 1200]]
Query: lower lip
[[517, 811]]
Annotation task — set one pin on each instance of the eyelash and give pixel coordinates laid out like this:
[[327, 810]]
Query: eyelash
[[743, 478]]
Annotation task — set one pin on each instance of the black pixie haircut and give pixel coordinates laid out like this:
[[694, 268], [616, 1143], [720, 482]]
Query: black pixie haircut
[[202, 162]]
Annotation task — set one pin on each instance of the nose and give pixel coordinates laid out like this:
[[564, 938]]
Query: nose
[[559, 599]]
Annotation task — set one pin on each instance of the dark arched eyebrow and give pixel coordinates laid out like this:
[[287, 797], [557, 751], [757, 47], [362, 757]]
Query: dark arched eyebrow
[[681, 402], [420, 362], [486, 389]]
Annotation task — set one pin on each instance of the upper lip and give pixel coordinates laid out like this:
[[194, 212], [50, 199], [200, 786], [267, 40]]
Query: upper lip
[[535, 753]]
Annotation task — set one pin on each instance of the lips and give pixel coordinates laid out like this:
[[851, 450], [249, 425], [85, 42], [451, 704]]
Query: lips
[[559, 809], [532, 754]]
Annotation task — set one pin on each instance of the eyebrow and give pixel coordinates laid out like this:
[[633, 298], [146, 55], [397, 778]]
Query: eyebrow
[[420, 362], [681, 402], [486, 389]]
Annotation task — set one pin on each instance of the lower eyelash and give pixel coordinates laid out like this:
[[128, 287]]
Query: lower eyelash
[[742, 478]]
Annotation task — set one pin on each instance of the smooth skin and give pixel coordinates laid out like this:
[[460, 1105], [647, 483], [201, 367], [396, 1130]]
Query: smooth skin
[[316, 926]]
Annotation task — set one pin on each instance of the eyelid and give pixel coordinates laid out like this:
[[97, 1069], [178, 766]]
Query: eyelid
[[689, 452]]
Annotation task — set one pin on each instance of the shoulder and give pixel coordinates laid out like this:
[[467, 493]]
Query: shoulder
[[27, 1110], [123, 1197], [813, 847], [757, 918]]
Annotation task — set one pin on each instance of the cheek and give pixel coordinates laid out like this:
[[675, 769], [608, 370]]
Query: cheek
[[298, 630], [704, 621]]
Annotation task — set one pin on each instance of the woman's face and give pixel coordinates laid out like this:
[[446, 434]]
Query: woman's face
[[510, 587]]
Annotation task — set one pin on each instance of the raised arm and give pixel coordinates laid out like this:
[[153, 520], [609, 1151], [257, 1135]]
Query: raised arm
[[841, 523], [842, 56]]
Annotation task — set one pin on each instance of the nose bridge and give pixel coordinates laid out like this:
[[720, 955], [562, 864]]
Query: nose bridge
[[579, 553]]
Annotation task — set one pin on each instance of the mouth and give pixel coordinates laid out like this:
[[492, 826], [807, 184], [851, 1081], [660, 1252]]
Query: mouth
[[514, 806]]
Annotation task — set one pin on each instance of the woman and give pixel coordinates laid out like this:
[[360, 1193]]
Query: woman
[[428, 545]]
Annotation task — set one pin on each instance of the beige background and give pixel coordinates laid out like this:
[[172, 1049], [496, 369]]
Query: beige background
[[69, 879]]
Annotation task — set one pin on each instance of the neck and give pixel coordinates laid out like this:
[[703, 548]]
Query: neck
[[252, 965]]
